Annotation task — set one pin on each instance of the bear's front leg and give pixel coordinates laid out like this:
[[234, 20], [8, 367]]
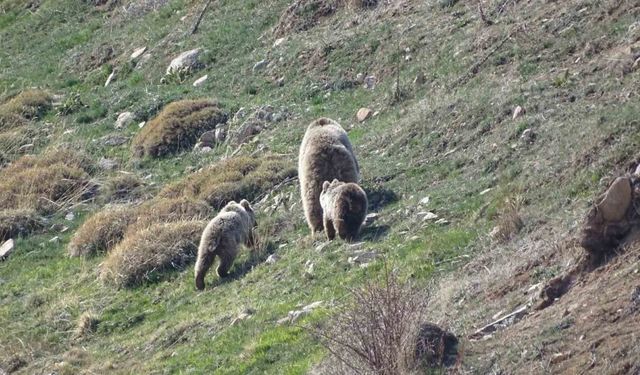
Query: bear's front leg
[[329, 229]]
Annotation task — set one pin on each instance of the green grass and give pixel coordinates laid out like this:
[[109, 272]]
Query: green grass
[[446, 143]]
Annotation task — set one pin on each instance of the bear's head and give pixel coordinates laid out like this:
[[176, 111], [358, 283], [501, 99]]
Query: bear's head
[[247, 207]]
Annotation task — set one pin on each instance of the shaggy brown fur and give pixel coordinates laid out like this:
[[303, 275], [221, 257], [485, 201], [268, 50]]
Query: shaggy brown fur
[[325, 154], [222, 236], [344, 207]]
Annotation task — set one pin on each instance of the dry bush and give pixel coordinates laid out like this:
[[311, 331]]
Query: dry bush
[[147, 255], [102, 231], [509, 221], [377, 332], [29, 104], [87, 324], [233, 179], [46, 183], [14, 223], [177, 127], [123, 188], [106, 229]]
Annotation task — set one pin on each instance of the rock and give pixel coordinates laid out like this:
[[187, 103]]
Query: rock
[[435, 347], [114, 140], [528, 136], [428, 216], [280, 82], [26, 148], [55, 239], [308, 269], [272, 259], [360, 77], [220, 134], [208, 138], [142, 124], [70, 216], [278, 42], [124, 119], [6, 248], [442, 222], [370, 82], [107, 164], [363, 258], [205, 149], [294, 315], [420, 79], [137, 53], [363, 114], [146, 57], [185, 61], [260, 65], [370, 218], [424, 201], [109, 79], [200, 81], [517, 112], [616, 201], [242, 316]]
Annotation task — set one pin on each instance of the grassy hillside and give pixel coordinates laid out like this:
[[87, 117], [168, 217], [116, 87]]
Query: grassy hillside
[[448, 77]]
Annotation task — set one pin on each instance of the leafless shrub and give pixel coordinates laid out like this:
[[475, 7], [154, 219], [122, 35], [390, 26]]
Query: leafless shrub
[[509, 219], [376, 333]]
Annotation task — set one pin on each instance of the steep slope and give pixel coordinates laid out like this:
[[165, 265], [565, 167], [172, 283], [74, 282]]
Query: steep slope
[[448, 78]]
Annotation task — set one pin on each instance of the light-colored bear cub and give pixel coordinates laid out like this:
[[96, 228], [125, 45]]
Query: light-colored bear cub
[[344, 208], [223, 235]]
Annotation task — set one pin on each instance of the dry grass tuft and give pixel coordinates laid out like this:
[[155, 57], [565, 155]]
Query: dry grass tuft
[[102, 231], [46, 183], [11, 142], [87, 324], [147, 255], [106, 229], [14, 223], [509, 220], [28, 105], [233, 179], [123, 188], [177, 127]]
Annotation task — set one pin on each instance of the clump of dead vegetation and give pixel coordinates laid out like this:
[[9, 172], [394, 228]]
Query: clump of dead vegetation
[[106, 229], [509, 221], [14, 223], [146, 255], [28, 105], [123, 188], [177, 127], [233, 179], [15, 142], [46, 183], [381, 332], [87, 324]]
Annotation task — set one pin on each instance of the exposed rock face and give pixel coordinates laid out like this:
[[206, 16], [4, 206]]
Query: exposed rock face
[[187, 60]]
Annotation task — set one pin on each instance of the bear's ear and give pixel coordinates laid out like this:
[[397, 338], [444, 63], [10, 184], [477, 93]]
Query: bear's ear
[[246, 205], [335, 181], [325, 185]]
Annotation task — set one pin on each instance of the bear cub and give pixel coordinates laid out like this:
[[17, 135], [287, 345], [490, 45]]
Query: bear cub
[[223, 235], [344, 207]]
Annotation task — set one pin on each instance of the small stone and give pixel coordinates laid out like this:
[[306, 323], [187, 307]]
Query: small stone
[[528, 136], [428, 216], [138, 52], [114, 140], [142, 124], [107, 164], [362, 258], [26, 148], [420, 79], [242, 316], [280, 82], [272, 259], [308, 268], [55, 239], [205, 149], [517, 112], [359, 77], [185, 61], [70, 216], [424, 201], [370, 82], [260, 65], [370, 218], [442, 222], [616, 201], [6, 248], [109, 79], [363, 114], [200, 81], [124, 119], [278, 42]]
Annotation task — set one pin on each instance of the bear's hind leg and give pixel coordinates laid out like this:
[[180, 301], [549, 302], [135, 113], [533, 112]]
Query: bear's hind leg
[[202, 266], [225, 265], [329, 228]]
